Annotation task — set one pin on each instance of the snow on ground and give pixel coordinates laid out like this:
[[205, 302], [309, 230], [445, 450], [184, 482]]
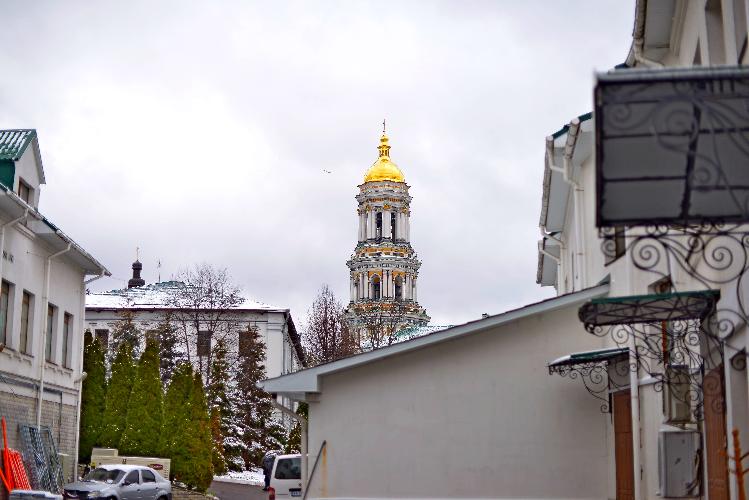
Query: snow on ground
[[253, 476]]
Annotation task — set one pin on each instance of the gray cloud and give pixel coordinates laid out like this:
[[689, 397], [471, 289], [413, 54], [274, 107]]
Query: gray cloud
[[199, 132]]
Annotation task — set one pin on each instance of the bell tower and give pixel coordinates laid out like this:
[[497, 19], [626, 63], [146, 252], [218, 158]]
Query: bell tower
[[384, 268]]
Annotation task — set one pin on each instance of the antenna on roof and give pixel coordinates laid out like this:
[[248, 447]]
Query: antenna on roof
[[158, 266]]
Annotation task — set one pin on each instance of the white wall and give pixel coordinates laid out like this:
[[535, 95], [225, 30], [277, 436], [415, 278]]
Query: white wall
[[26, 272], [270, 324], [475, 417]]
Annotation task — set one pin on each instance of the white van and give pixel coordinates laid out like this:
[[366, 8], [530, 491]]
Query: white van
[[286, 477]]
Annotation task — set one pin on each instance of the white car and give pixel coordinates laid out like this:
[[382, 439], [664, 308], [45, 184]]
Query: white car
[[286, 477], [120, 482]]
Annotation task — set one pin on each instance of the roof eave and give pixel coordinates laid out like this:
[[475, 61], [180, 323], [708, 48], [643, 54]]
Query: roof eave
[[308, 381]]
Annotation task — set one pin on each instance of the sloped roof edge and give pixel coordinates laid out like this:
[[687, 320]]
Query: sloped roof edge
[[296, 385]]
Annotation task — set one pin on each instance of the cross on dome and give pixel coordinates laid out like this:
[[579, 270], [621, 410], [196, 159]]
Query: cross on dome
[[384, 169]]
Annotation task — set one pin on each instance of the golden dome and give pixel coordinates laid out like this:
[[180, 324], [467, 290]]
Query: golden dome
[[384, 169]]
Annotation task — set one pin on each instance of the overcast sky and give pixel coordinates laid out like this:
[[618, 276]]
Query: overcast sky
[[201, 132]]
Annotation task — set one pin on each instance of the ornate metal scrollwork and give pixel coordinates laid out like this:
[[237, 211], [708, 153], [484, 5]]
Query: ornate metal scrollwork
[[595, 377]]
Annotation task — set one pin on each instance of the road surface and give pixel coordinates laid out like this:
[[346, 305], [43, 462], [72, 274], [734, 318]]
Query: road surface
[[237, 491]]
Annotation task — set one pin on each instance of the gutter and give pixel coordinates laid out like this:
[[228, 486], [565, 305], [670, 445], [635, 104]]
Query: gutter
[[636, 54], [573, 132], [43, 337]]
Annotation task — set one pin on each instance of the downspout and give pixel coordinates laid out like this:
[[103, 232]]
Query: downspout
[[82, 377], [303, 445], [573, 132], [43, 336], [638, 36], [634, 394]]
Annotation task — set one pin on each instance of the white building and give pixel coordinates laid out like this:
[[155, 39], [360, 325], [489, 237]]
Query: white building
[[676, 405], [149, 303], [471, 411], [41, 305]]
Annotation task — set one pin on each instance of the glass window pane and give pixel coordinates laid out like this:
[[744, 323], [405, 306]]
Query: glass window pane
[[50, 330], [4, 293], [25, 304]]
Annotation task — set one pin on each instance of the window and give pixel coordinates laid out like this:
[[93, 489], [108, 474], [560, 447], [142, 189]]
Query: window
[[25, 308], [148, 476], [378, 225], [714, 25], [50, 331], [204, 342], [739, 18], [615, 244], [289, 468], [132, 478], [67, 325], [24, 191], [398, 288], [4, 296], [677, 394], [102, 335], [376, 288], [393, 218]]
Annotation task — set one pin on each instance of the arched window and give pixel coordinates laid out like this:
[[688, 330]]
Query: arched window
[[398, 288], [376, 287], [392, 226], [378, 225]]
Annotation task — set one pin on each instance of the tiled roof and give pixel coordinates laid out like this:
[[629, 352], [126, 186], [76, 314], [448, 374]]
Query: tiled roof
[[14, 142]]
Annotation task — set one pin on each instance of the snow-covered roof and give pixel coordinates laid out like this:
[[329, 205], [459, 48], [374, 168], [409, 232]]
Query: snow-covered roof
[[413, 332], [158, 296]]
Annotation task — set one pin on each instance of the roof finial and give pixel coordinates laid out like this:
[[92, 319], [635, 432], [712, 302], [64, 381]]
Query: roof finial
[[383, 126], [137, 253]]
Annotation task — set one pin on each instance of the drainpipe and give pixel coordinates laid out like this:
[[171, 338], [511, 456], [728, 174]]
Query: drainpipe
[[303, 424], [638, 45], [573, 132], [77, 381], [43, 336], [80, 379], [634, 394]]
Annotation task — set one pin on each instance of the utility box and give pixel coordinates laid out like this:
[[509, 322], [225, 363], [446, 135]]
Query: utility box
[[110, 456], [679, 463]]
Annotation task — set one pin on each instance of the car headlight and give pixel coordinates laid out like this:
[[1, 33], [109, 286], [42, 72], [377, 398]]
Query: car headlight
[[94, 494]]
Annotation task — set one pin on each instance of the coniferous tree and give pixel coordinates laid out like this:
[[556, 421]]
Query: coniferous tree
[[221, 406], [199, 439], [125, 331], [144, 415], [169, 341], [260, 431], [177, 414], [294, 441], [93, 397], [218, 457], [118, 396]]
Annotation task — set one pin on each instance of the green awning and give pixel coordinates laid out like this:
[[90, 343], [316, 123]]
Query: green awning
[[648, 308], [586, 358]]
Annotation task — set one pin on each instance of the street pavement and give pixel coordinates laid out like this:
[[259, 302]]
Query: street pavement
[[237, 491]]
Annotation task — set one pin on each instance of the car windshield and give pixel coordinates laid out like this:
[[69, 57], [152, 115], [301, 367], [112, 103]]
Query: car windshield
[[105, 475]]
